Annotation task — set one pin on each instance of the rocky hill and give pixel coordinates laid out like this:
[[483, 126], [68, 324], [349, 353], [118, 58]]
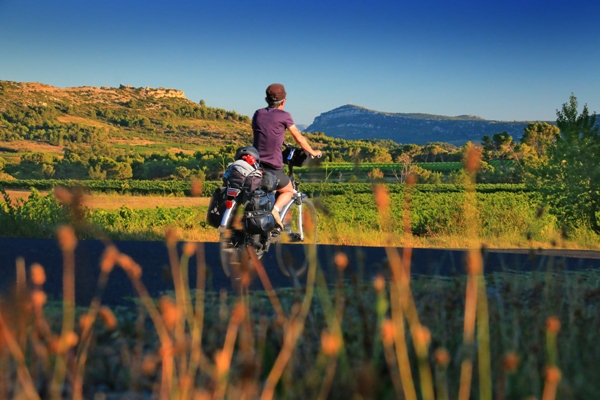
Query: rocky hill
[[355, 122], [86, 114]]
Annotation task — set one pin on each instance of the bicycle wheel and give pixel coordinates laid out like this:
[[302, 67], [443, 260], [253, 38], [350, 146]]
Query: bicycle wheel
[[230, 250], [233, 250], [300, 227]]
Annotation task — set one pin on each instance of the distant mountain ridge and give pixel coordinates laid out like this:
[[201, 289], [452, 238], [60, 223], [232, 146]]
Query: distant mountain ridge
[[356, 122]]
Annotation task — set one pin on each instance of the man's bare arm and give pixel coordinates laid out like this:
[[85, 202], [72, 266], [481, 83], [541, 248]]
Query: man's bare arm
[[301, 140]]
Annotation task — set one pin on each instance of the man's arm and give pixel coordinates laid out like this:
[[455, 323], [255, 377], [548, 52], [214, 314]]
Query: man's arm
[[301, 140]]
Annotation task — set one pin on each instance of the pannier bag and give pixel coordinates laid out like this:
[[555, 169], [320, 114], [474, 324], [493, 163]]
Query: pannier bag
[[258, 222], [269, 181], [241, 175], [216, 207], [258, 200], [298, 158]]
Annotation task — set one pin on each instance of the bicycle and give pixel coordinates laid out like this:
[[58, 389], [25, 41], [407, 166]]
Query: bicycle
[[299, 216]]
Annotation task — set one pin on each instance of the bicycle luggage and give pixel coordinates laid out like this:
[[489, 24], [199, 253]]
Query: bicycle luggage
[[295, 157], [216, 207], [258, 222], [269, 181], [241, 175], [258, 200]]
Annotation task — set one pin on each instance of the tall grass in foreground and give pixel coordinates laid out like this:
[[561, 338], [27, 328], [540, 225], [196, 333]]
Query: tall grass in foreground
[[503, 336]]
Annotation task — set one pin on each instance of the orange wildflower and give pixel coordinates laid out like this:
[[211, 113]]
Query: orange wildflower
[[340, 260], [511, 362], [330, 343], [379, 283], [38, 275], [109, 258], [387, 332], [189, 249], [442, 357], [108, 317], [553, 325], [66, 238]]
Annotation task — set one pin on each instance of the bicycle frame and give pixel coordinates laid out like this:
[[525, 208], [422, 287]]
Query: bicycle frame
[[296, 198], [230, 204]]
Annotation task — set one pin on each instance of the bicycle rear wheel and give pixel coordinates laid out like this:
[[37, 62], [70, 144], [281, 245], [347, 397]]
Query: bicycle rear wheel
[[230, 249], [298, 237], [234, 245]]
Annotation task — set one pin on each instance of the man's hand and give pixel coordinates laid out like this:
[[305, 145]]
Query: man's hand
[[317, 154]]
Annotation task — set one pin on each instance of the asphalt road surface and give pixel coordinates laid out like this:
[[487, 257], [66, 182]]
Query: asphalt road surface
[[365, 262]]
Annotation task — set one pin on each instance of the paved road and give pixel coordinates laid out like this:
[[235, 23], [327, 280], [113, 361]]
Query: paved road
[[153, 257]]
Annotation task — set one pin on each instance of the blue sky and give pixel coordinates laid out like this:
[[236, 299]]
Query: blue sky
[[502, 60]]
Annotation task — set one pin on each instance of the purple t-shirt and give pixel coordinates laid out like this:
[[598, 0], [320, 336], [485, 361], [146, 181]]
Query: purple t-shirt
[[269, 126]]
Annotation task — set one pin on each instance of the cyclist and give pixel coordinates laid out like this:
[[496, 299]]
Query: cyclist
[[268, 126]]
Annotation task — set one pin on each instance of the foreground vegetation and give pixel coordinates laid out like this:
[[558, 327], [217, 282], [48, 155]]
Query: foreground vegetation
[[507, 218], [504, 336]]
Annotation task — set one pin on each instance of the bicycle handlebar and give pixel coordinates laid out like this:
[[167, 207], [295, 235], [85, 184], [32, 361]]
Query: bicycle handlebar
[[292, 147]]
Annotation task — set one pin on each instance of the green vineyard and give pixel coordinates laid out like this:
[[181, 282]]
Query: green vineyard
[[443, 167], [183, 188]]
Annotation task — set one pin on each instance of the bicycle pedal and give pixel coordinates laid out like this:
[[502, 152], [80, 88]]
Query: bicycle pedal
[[294, 237], [275, 235]]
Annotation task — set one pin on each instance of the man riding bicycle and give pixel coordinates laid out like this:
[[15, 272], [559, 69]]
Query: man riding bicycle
[[268, 126]]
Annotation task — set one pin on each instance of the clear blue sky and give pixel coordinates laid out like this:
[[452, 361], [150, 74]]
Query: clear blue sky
[[500, 59]]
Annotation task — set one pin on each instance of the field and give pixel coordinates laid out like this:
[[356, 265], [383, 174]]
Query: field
[[505, 335], [112, 202], [509, 215]]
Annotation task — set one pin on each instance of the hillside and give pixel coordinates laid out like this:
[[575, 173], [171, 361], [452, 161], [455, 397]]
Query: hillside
[[355, 122], [146, 117]]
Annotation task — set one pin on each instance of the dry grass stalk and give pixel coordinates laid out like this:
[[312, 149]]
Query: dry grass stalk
[[107, 262], [67, 242], [198, 325], [331, 343], [553, 377], [401, 299], [476, 308], [181, 296], [264, 279], [133, 270], [224, 356], [15, 350], [442, 360], [295, 327], [408, 387]]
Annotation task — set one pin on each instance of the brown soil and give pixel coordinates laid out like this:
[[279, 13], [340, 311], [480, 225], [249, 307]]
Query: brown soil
[[81, 121], [177, 150], [29, 146], [136, 141], [112, 202]]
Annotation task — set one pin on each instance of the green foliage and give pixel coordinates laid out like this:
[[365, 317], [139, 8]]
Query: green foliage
[[501, 214], [137, 187], [538, 138], [569, 178], [37, 216], [128, 223]]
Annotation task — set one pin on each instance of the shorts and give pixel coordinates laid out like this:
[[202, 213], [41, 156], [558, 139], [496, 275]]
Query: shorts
[[283, 179]]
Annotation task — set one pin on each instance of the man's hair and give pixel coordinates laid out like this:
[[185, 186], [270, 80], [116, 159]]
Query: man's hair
[[275, 95], [273, 103]]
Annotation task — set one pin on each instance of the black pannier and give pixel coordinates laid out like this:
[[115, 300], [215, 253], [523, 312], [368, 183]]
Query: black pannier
[[216, 207], [258, 222], [258, 200], [269, 181], [298, 158]]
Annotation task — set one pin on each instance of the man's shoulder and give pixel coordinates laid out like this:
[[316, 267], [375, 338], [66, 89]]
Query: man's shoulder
[[271, 110]]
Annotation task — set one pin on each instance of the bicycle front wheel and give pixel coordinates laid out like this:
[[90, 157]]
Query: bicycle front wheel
[[298, 239]]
